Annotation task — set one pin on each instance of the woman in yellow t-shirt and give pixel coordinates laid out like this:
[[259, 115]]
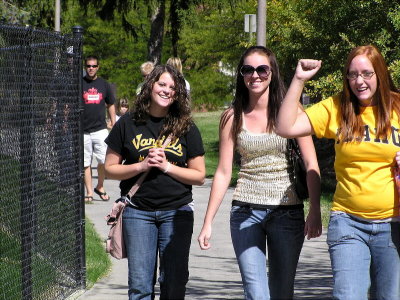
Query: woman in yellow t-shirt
[[364, 228]]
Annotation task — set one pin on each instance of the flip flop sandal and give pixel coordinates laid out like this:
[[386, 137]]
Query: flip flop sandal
[[102, 195], [88, 199]]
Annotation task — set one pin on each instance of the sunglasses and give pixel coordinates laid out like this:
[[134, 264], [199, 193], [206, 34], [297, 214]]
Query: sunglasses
[[262, 71], [91, 66]]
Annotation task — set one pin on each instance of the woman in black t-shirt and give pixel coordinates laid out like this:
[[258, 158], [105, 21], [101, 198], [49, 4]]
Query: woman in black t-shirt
[[160, 218]]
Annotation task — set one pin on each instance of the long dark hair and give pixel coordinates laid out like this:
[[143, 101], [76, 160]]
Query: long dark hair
[[386, 96], [178, 119], [241, 100]]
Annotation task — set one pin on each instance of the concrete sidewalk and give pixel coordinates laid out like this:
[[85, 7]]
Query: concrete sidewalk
[[214, 274]]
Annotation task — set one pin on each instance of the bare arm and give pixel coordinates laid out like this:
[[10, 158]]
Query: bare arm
[[194, 174], [115, 170], [222, 178], [313, 226], [111, 113], [291, 122]]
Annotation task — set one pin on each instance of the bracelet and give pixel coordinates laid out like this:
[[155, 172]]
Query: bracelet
[[167, 168]]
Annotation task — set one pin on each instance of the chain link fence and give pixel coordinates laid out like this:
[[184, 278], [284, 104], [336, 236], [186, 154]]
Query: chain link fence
[[41, 207]]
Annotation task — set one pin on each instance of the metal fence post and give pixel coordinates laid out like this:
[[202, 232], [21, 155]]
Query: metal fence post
[[27, 205], [78, 36]]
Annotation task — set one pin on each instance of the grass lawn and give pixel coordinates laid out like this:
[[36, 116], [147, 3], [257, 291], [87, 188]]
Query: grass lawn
[[98, 262], [208, 123]]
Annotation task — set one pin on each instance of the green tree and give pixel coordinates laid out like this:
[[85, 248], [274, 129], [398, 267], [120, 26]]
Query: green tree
[[328, 30], [12, 14], [211, 42], [156, 16]]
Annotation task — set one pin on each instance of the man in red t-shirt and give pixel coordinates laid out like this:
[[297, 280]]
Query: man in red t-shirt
[[97, 96]]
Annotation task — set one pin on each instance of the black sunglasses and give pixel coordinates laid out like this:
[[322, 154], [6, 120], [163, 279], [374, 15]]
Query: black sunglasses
[[262, 71], [91, 66]]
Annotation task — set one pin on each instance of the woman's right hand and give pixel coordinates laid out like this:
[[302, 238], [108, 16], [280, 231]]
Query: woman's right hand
[[145, 164], [397, 158], [307, 68], [204, 237]]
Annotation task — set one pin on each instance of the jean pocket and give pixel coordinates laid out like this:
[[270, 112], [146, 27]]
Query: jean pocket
[[296, 214], [239, 209], [239, 213], [340, 229], [292, 214]]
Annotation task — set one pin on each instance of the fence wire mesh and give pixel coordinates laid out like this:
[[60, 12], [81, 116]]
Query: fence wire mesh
[[41, 210]]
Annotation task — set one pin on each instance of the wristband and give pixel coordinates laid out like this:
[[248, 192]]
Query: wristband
[[167, 168]]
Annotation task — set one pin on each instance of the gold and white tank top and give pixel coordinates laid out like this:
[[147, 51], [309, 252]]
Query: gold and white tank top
[[264, 178]]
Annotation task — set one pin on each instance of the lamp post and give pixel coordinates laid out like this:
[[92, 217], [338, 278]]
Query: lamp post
[[261, 22], [57, 13]]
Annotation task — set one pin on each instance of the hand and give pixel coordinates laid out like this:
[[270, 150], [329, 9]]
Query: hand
[[204, 237], [145, 165], [313, 226], [307, 68], [158, 159], [397, 157]]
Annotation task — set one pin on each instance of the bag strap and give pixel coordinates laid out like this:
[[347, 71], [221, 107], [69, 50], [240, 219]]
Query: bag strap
[[137, 184], [294, 146]]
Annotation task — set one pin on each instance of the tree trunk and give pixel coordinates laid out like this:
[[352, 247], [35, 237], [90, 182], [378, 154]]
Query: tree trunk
[[176, 6], [157, 33]]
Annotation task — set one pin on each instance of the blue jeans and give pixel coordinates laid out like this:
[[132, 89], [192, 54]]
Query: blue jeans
[[364, 254], [147, 233], [283, 232]]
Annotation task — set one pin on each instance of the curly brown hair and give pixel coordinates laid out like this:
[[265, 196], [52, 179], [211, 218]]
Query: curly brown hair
[[178, 119]]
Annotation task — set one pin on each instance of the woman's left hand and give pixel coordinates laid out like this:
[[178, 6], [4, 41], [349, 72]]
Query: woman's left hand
[[158, 159], [313, 226]]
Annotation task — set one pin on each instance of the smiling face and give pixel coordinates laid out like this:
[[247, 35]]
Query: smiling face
[[162, 95], [363, 88], [255, 83]]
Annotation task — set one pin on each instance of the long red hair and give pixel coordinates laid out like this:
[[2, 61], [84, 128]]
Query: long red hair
[[386, 97]]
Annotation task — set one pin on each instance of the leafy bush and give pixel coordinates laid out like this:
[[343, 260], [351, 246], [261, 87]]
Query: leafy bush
[[210, 89]]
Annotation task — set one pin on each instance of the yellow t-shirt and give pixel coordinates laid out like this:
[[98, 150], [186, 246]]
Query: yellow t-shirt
[[364, 170]]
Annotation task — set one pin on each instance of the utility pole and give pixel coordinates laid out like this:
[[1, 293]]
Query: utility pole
[[261, 22], [57, 14]]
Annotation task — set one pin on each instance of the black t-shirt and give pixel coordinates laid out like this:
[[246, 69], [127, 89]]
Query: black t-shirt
[[96, 94], [132, 141]]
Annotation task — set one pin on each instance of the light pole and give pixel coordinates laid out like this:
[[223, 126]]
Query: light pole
[[57, 14], [261, 22]]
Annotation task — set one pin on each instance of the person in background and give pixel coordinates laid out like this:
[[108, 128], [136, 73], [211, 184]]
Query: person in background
[[97, 96], [266, 211], [145, 70], [123, 108], [363, 119], [177, 64], [159, 217]]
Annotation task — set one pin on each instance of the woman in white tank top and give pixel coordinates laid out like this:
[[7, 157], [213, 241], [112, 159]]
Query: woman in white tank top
[[266, 212]]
